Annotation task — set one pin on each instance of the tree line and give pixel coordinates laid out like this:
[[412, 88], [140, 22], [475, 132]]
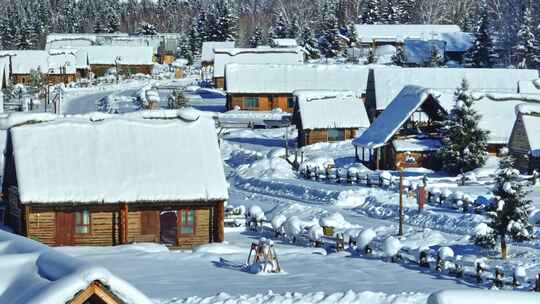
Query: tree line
[[507, 31]]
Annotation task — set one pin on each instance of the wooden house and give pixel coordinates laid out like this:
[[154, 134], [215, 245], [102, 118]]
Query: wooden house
[[385, 83], [128, 60], [524, 143], [328, 116], [208, 57], [374, 35], [55, 66], [117, 181], [264, 87], [35, 273], [405, 134], [223, 57]]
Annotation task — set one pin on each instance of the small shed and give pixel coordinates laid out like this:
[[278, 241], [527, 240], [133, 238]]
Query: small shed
[[328, 116], [414, 113], [524, 142], [224, 57], [264, 87], [33, 273], [114, 180], [128, 60]]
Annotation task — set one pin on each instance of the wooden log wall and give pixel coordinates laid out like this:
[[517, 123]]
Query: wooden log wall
[[266, 102], [321, 135]]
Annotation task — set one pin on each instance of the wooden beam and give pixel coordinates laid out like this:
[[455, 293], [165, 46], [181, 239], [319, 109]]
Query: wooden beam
[[124, 223], [219, 235]]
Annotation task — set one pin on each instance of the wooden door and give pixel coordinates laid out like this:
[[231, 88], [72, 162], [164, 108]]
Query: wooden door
[[65, 228], [150, 222], [168, 233]]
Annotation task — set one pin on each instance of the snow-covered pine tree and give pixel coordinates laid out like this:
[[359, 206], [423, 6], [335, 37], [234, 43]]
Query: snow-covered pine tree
[[201, 28], [184, 49], [399, 58], [111, 21], [226, 21], [372, 12], [148, 29], [406, 10], [279, 27], [390, 12], [26, 38], [256, 39], [328, 42], [294, 28], [526, 50], [352, 35], [464, 145], [482, 53], [509, 214], [436, 58], [309, 43]]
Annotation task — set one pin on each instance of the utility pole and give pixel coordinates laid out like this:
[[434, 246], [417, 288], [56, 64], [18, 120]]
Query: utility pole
[[401, 215]]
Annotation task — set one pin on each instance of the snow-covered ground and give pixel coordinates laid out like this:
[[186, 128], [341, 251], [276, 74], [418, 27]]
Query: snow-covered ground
[[259, 175]]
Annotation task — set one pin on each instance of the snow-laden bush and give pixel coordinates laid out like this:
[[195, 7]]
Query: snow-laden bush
[[256, 213], [315, 233], [483, 236], [277, 223], [520, 274], [335, 220], [445, 253], [391, 247], [294, 227], [365, 238]]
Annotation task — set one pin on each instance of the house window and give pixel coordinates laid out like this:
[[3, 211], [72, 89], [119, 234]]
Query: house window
[[336, 134], [82, 222], [290, 102], [186, 225], [251, 102]]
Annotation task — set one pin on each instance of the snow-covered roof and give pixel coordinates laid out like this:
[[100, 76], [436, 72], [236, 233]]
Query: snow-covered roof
[[284, 42], [33, 273], [391, 119], [416, 144], [321, 109], [418, 51], [52, 61], [282, 78], [208, 47], [128, 55], [456, 41], [138, 41], [367, 33], [389, 81], [59, 41], [119, 160], [532, 127], [224, 57], [529, 86]]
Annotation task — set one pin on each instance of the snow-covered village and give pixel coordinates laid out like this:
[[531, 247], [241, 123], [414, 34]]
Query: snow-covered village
[[270, 151]]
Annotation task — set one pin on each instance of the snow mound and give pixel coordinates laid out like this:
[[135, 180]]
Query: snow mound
[[294, 226], [445, 253], [316, 233], [365, 238], [256, 213], [477, 296], [335, 220], [189, 114], [278, 221], [482, 229], [391, 246], [267, 168], [218, 249]]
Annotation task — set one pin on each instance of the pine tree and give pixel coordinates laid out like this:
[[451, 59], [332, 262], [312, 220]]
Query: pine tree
[[399, 58], [309, 43], [294, 29], [112, 21], [406, 10], [352, 35], [436, 58], [279, 27], [195, 39], [328, 42], [482, 53], [464, 143], [226, 21], [526, 50], [256, 39], [26, 38], [184, 50], [509, 215], [147, 29], [390, 13], [371, 13]]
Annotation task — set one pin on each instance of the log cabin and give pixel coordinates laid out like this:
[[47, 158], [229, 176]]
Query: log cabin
[[129, 60], [328, 116], [402, 131], [51, 276], [223, 57], [57, 66], [264, 87], [116, 181], [524, 143], [208, 57]]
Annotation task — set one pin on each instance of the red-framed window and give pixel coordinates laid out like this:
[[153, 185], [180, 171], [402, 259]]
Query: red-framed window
[[186, 222], [82, 222]]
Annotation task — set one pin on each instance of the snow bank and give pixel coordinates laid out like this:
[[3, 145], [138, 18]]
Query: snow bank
[[349, 297], [218, 249], [33, 273], [477, 296], [267, 168]]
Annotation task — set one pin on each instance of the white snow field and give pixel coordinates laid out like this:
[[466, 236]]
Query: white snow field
[[259, 175]]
